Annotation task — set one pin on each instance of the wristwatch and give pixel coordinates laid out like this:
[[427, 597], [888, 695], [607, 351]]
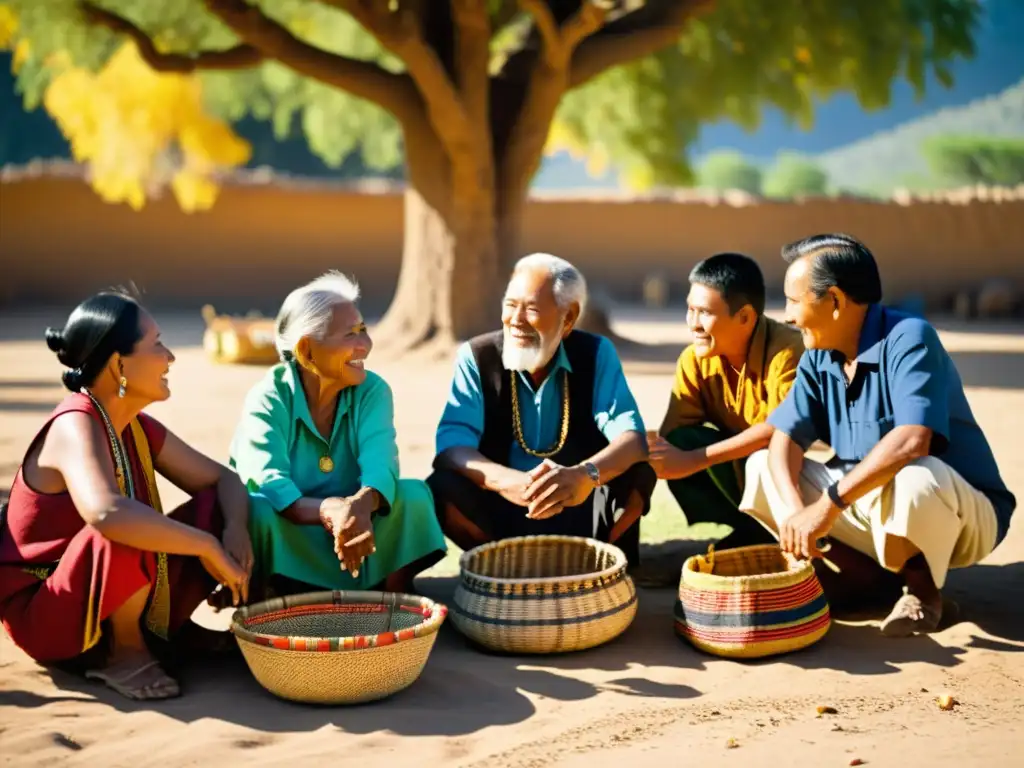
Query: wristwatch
[[592, 472], [833, 494]]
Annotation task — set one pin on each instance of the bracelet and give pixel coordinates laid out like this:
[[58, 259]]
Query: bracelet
[[833, 494]]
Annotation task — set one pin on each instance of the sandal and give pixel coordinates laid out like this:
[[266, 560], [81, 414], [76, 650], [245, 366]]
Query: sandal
[[910, 616], [162, 687]]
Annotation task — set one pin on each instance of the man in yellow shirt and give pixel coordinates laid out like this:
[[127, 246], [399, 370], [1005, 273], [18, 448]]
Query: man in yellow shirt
[[738, 369]]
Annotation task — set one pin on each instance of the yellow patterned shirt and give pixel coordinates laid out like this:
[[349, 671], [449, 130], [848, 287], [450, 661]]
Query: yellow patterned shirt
[[708, 391]]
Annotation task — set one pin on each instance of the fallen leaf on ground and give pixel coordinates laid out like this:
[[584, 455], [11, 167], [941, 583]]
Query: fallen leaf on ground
[[947, 702], [731, 744], [824, 709]]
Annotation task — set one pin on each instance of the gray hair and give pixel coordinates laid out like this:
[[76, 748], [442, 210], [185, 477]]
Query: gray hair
[[308, 310], [566, 281]]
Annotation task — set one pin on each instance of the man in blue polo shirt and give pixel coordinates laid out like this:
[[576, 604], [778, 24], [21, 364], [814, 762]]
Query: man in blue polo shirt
[[913, 483], [541, 434]]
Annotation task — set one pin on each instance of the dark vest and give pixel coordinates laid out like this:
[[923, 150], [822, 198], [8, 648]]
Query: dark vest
[[584, 438]]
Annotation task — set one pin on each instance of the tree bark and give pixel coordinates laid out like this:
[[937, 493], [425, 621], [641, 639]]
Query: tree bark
[[451, 278]]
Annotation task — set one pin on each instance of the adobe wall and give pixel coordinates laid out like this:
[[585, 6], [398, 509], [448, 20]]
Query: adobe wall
[[58, 241]]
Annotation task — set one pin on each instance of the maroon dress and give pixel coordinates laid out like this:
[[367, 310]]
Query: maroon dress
[[60, 578]]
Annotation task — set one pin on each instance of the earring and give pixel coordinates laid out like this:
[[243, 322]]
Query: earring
[[124, 386]]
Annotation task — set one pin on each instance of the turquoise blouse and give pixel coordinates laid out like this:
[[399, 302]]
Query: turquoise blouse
[[277, 448]]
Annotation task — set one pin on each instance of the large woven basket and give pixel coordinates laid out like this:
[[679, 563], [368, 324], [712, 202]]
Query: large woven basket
[[543, 594], [749, 602], [338, 647]]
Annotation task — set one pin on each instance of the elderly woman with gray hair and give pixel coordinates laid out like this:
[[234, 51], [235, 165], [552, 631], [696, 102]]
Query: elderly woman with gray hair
[[316, 448]]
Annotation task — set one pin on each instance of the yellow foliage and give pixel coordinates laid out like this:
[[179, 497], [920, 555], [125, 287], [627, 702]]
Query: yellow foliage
[[58, 60], [21, 53], [8, 27], [126, 122], [597, 161], [562, 139]]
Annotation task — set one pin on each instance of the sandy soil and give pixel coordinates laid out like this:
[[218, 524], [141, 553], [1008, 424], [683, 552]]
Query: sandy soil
[[645, 699]]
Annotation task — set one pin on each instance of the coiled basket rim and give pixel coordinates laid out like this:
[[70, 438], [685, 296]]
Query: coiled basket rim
[[693, 576], [618, 565], [431, 622]]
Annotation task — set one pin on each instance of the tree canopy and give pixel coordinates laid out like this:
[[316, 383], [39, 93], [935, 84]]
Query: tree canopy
[[315, 61], [727, 170], [793, 175], [988, 160]]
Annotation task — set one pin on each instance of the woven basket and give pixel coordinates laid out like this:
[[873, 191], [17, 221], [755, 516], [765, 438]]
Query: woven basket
[[749, 602], [543, 594], [248, 340], [338, 647]]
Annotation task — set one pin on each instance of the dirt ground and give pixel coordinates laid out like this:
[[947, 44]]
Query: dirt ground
[[646, 699]]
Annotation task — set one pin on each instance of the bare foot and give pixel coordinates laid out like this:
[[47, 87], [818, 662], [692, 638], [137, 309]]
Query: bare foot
[[920, 608], [138, 677], [911, 615]]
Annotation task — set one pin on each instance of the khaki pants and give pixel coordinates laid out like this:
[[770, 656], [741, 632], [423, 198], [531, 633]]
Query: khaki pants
[[928, 503]]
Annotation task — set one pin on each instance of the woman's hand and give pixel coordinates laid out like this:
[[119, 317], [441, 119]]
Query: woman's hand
[[237, 543], [350, 521], [227, 571]]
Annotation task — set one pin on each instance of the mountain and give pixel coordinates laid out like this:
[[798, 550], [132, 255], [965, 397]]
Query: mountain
[[893, 158], [840, 121]]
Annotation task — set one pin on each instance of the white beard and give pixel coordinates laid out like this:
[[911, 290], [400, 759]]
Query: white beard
[[516, 357]]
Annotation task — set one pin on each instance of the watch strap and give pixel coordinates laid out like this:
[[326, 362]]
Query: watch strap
[[833, 494]]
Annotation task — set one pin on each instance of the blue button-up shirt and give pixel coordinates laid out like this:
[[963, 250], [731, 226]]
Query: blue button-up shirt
[[462, 423], [904, 376]]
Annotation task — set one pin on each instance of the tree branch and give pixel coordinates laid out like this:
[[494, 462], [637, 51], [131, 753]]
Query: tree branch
[[641, 33], [559, 41], [472, 56], [399, 32], [239, 57], [362, 79], [507, 11], [547, 25], [549, 80]]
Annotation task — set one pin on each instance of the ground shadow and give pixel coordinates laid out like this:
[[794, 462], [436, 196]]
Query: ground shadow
[[180, 326], [462, 690], [989, 596], [992, 369], [29, 384], [861, 649], [22, 406]]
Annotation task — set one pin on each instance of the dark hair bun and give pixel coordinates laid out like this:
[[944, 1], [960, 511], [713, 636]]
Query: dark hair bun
[[55, 339], [73, 379]]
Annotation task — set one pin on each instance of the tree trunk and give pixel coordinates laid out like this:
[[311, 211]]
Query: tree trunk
[[452, 274]]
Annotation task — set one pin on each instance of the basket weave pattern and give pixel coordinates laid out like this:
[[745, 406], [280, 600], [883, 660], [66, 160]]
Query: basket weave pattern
[[338, 647], [543, 594], [750, 602]]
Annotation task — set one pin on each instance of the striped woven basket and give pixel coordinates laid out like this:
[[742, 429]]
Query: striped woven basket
[[338, 647], [749, 602], [543, 594]]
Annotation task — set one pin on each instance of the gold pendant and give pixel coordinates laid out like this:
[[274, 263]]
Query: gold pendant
[[326, 464]]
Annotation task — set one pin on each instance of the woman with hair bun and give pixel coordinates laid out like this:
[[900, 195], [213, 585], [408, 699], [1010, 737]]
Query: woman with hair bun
[[93, 576]]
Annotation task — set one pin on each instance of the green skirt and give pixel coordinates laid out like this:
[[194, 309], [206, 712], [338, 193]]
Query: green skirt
[[410, 533]]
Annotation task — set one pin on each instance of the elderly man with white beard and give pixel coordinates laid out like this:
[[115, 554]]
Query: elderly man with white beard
[[541, 434]]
